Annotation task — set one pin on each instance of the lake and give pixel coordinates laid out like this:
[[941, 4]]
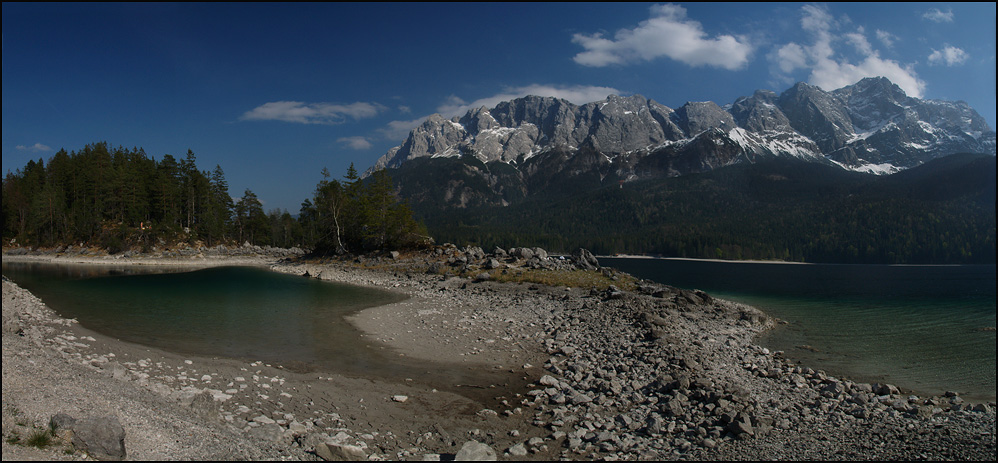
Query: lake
[[929, 329], [236, 312]]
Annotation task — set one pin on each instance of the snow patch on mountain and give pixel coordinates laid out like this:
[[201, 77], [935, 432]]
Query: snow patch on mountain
[[871, 126]]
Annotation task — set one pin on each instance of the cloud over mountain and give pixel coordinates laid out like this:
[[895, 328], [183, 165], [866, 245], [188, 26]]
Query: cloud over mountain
[[455, 106], [311, 113], [357, 142], [949, 56], [668, 33], [826, 58]]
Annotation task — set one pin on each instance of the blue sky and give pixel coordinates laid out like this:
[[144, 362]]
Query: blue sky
[[275, 92]]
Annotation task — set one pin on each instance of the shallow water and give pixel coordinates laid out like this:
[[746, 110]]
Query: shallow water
[[236, 312], [925, 328]]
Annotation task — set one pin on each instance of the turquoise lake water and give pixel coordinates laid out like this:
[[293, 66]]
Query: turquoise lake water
[[925, 328], [929, 329], [236, 312]]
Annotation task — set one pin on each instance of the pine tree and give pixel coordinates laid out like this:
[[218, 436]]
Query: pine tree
[[251, 220], [378, 204], [189, 180], [331, 201], [168, 192], [219, 211]]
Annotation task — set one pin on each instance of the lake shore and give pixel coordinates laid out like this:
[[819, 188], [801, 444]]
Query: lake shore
[[634, 370], [726, 261]]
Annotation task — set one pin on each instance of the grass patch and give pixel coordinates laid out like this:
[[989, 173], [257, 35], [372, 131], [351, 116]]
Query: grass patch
[[570, 278], [41, 438]]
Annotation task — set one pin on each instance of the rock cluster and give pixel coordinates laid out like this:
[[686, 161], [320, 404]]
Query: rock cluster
[[464, 259], [634, 375], [661, 372], [632, 371]]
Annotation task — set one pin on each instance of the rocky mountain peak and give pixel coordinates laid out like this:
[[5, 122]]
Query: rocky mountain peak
[[870, 126], [696, 117], [760, 112], [818, 115]]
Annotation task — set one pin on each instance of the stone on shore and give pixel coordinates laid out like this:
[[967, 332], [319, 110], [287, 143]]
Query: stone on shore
[[332, 451], [102, 438], [475, 451]]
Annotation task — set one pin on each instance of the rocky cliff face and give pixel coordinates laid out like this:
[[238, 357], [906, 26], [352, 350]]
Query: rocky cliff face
[[871, 126]]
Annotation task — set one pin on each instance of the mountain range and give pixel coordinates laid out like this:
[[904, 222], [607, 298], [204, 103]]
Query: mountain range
[[800, 176], [535, 144]]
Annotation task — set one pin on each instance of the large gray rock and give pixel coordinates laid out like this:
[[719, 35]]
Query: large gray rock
[[585, 260], [205, 406], [475, 451], [518, 450], [339, 451], [523, 253], [102, 438]]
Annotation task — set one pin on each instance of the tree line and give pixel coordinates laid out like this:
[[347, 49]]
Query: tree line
[[119, 198], [940, 213]]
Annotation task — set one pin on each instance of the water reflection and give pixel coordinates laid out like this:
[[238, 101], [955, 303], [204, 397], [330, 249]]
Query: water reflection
[[237, 312]]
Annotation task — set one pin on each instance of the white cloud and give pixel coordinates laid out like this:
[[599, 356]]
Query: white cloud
[[858, 40], [886, 38], [668, 33], [829, 68], [399, 130], [935, 15], [311, 113], [357, 143], [790, 57], [405, 109], [455, 106], [830, 75], [817, 19], [950, 56], [36, 148], [576, 94]]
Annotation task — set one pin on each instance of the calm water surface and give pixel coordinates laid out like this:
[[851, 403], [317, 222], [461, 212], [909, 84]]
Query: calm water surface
[[237, 312], [925, 328]]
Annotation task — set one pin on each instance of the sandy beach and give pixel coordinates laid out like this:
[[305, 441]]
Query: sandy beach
[[639, 371]]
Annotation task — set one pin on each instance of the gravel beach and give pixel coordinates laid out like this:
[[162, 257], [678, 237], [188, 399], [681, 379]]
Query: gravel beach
[[625, 370]]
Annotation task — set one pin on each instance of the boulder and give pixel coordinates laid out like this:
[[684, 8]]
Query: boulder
[[268, 433], [523, 253], [205, 406], [548, 380], [475, 451], [886, 389], [475, 253], [518, 450], [335, 451], [585, 260], [102, 438]]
